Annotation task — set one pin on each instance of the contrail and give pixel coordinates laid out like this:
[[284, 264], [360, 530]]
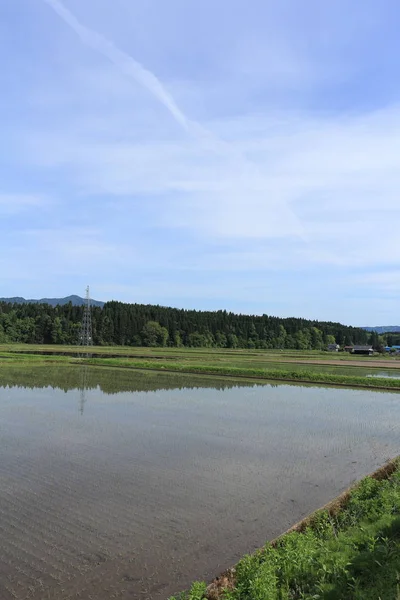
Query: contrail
[[131, 67], [121, 59], [244, 168]]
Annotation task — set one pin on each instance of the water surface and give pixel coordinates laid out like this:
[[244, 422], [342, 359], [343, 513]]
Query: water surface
[[130, 485]]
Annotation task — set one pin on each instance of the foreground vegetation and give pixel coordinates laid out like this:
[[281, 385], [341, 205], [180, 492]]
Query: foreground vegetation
[[349, 551]]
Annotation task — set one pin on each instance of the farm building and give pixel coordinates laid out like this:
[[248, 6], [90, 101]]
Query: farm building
[[333, 347], [348, 348], [366, 350]]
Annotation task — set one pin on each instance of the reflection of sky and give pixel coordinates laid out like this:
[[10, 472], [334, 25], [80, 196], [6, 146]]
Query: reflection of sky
[[281, 420], [160, 474], [386, 374]]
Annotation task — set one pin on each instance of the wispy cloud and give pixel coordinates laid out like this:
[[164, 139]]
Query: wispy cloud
[[122, 60], [338, 173], [186, 175], [245, 178], [382, 282], [12, 204]]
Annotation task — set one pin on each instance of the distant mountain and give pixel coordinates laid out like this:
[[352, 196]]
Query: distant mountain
[[75, 300], [384, 329]]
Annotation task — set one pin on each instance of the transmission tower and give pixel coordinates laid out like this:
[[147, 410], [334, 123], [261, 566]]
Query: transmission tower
[[86, 338]]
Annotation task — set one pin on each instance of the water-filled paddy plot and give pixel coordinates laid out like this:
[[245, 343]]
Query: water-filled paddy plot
[[128, 484]]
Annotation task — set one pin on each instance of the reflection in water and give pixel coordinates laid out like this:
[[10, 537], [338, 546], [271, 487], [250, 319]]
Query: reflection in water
[[83, 388], [107, 380], [153, 489], [386, 375]]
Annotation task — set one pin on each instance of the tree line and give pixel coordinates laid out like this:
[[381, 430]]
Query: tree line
[[123, 324]]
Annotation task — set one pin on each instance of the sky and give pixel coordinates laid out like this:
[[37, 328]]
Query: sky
[[199, 154]]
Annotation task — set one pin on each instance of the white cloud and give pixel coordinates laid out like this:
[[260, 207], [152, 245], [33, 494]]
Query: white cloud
[[381, 283], [240, 186], [12, 204], [205, 140], [283, 175], [339, 176]]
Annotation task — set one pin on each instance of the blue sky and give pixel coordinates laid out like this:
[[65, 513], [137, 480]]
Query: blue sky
[[202, 154]]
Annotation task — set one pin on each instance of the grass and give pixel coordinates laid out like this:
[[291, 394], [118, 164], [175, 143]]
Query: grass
[[349, 551], [258, 365], [224, 354], [305, 376]]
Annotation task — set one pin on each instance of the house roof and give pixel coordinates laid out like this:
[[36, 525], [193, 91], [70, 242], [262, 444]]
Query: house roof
[[363, 348]]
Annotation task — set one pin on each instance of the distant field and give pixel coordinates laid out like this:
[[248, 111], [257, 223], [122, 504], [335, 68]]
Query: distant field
[[220, 354], [289, 365]]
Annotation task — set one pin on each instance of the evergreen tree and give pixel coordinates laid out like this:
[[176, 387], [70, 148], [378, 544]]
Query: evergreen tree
[[138, 324]]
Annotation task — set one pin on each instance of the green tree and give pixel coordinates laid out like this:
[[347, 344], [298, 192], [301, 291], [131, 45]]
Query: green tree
[[303, 339], [221, 341], [374, 340], [178, 340], [252, 337], [57, 332], [197, 340], [119, 323], [154, 335], [317, 340], [3, 337], [232, 340], [281, 339]]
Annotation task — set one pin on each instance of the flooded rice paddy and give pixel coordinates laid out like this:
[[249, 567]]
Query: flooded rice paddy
[[385, 374], [118, 484]]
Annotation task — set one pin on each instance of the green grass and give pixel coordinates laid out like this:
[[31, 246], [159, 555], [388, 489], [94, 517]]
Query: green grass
[[213, 353], [222, 363], [348, 552], [306, 376]]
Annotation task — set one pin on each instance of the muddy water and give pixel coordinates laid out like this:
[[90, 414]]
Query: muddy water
[[133, 494]]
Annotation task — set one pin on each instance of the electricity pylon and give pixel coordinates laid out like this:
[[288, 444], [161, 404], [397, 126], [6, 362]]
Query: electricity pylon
[[85, 338]]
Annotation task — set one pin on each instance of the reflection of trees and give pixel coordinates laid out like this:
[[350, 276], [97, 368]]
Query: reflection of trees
[[109, 380]]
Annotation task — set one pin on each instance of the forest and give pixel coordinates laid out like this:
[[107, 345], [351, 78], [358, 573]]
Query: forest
[[123, 324]]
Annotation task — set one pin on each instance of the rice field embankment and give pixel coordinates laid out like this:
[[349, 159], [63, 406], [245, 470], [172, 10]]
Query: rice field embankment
[[349, 550], [303, 367]]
